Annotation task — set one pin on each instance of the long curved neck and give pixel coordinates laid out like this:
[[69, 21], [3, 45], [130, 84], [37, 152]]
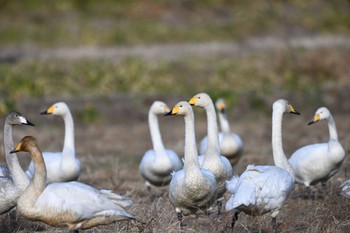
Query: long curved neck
[[38, 182], [213, 148], [225, 126], [191, 163], [19, 177], [155, 133], [279, 156], [333, 135], [68, 147]]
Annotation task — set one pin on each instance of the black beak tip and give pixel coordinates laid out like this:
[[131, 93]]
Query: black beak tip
[[44, 113], [13, 151], [168, 113], [310, 122], [30, 123]]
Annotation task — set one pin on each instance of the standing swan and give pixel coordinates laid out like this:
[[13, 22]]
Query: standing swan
[[231, 145], [318, 162], [212, 160], [157, 165], [74, 205], [192, 189], [61, 166], [263, 189], [13, 179]]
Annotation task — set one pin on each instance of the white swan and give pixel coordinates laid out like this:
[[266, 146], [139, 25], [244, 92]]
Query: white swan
[[13, 179], [231, 145], [158, 163], [263, 189], [318, 162], [192, 189], [61, 166], [212, 160], [74, 205]]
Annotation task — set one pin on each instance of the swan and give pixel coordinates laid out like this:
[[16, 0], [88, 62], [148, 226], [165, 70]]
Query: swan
[[263, 189], [13, 179], [61, 166], [158, 163], [212, 160], [231, 145], [192, 189], [318, 162], [66, 204]]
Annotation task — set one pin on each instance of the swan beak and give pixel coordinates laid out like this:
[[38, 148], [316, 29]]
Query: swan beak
[[222, 107], [173, 111], [316, 118], [292, 110], [193, 100], [24, 121], [48, 111], [17, 149]]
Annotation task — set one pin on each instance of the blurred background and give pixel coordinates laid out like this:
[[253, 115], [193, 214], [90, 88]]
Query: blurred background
[[248, 53]]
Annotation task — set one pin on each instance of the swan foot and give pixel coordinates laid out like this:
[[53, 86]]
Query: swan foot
[[234, 220], [180, 218]]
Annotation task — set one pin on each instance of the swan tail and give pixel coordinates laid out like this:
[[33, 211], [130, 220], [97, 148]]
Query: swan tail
[[117, 199]]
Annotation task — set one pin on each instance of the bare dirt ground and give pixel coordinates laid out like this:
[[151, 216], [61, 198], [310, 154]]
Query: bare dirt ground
[[111, 148]]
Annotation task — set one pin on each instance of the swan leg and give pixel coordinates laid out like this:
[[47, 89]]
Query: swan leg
[[180, 218], [219, 206], [234, 219], [274, 225]]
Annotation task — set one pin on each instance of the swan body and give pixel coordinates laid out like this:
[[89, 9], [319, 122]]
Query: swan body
[[61, 166], [13, 179], [212, 160], [231, 144], [192, 189], [264, 189], [66, 204], [158, 163], [318, 162]]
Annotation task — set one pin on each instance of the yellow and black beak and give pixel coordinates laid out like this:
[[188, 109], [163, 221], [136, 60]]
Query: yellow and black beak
[[48, 111], [193, 100], [314, 120], [222, 107], [173, 111], [292, 110], [17, 149]]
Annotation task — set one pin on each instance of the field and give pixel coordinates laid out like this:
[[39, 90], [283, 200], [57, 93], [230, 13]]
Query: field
[[110, 73]]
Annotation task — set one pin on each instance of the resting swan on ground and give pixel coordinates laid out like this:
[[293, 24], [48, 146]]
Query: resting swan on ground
[[158, 163], [192, 189], [61, 166], [263, 189], [318, 162], [212, 160], [231, 145], [13, 179], [66, 204]]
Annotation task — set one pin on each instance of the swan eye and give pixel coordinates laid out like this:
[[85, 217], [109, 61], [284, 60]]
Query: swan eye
[[180, 106]]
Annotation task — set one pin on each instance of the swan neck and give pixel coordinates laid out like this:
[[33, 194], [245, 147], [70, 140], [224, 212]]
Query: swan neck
[[68, 146], [191, 163], [19, 177], [38, 182], [279, 156], [224, 124], [213, 132], [333, 135], [155, 132]]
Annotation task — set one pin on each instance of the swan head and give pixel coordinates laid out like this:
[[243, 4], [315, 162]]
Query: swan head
[[220, 105], [321, 114], [15, 118], [26, 143], [182, 108], [159, 107], [201, 100], [284, 106], [59, 108]]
